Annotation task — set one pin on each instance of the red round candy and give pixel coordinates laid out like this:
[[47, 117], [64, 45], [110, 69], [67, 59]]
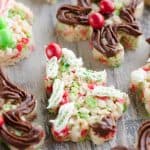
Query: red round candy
[[53, 49], [106, 6], [96, 20], [1, 121]]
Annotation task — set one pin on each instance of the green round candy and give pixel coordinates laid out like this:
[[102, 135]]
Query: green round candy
[[6, 38], [3, 23]]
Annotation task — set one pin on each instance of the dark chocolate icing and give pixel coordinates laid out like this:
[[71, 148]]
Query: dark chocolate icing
[[144, 136], [13, 118], [104, 128], [148, 40], [121, 148], [130, 25], [105, 40], [85, 3], [73, 15]]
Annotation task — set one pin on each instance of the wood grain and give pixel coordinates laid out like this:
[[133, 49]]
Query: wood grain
[[29, 74]]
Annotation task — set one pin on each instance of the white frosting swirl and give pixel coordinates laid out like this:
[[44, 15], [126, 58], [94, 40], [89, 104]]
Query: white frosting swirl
[[56, 97], [71, 58], [64, 114], [107, 91], [91, 75], [52, 67]]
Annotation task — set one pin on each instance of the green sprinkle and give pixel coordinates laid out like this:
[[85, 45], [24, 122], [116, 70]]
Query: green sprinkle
[[117, 12], [83, 115], [65, 67], [118, 7], [91, 102], [7, 107], [77, 105], [6, 39], [75, 87], [14, 12], [3, 23], [124, 107]]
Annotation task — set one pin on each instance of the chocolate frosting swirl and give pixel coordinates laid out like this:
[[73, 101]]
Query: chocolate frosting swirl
[[121, 148], [105, 40], [73, 15], [144, 136], [85, 3], [148, 40], [104, 128], [13, 118], [130, 26]]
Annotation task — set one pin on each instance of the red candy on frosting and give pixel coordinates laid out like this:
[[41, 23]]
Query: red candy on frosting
[[106, 6], [96, 20], [53, 49]]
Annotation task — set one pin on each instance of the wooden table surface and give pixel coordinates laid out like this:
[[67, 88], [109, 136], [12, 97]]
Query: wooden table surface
[[29, 74]]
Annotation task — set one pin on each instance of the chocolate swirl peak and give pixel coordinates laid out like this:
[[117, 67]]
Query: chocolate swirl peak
[[105, 40], [144, 136], [148, 40], [105, 128], [13, 118], [73, 15], [85, 3], [130, 25]]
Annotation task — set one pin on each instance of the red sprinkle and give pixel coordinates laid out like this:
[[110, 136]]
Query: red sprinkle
[[133, 88], [91, 86], [84, 132], [103, 60], [61, 135], [65, 98], [103, 98], [121, 100], [49, 89], [19, 47], [1, 121]]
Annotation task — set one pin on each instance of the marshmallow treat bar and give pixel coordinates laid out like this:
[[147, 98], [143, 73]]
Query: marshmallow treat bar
[[86, 108], [140, 84], [15, 32]]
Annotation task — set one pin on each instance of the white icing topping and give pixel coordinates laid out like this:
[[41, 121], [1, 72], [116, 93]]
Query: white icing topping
[[56, 97], [52, 67], [71, 58], [107, 91], [64, 114], [91, 75], [138, 75]]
